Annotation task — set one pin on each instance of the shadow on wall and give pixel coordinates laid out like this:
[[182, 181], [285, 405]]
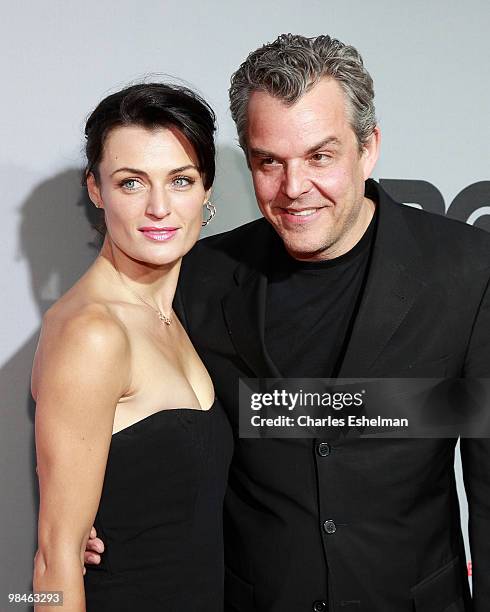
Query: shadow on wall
[[58, 242], [233, 193]]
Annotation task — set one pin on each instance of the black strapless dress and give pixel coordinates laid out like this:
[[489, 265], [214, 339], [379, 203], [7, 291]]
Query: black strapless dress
[[161, 515]]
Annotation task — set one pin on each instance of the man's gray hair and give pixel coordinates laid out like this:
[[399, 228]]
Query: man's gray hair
[[291, 65]]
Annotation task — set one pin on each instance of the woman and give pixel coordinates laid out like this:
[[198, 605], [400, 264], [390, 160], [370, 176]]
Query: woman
[[128, 431]]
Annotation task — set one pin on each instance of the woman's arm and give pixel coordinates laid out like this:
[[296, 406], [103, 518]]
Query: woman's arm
[[81, 371]]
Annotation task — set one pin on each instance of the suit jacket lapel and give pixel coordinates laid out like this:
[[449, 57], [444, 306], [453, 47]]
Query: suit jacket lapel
[[393, 284], [178, 307], [244, 308]]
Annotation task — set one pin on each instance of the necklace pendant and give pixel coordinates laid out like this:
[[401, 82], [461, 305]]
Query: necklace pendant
[[164, 318]]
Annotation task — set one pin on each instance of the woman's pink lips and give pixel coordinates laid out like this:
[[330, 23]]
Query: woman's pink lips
[[158, 234]]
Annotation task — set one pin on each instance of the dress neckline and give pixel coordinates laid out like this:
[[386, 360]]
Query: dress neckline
[[165, 410]]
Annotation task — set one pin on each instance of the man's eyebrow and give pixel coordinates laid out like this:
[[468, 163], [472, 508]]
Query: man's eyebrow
[[143, 173], [330, 140], [261, 153]]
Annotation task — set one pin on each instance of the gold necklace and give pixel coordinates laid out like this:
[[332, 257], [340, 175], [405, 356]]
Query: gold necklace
[[161, 315]]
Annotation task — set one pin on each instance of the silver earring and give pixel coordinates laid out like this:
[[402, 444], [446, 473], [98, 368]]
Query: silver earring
[[211, 208]]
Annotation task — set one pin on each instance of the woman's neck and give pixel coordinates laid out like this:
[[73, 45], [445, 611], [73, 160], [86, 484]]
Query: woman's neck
[[151, 283]]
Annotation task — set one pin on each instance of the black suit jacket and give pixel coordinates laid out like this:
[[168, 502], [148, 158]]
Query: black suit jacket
[[398, 546]]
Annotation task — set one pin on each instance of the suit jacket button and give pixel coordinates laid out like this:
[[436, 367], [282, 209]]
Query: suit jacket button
[[319, 606], [323, 449], [329, 526]]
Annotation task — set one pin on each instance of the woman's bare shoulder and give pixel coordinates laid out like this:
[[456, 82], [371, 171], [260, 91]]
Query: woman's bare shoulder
[[87, 321], [78, 333]]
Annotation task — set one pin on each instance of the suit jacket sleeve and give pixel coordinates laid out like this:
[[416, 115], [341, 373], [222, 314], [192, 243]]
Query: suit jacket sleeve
[[475, 455]]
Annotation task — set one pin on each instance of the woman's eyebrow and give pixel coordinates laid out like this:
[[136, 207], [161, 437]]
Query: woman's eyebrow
[[143, 173]]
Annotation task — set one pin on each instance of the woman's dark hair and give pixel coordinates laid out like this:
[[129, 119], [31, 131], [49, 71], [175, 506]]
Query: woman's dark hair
[[154, 105]]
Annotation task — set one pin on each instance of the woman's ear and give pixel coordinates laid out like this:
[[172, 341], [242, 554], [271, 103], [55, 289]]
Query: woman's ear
[[94, 191]]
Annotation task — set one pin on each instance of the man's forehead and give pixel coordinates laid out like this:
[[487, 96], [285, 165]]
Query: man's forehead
[[318, 117], [286, 147]]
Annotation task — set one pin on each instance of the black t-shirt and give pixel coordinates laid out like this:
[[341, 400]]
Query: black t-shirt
[[311, 307]]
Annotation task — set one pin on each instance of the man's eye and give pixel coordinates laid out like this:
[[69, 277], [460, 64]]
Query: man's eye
[[268, 161], [320, 157]]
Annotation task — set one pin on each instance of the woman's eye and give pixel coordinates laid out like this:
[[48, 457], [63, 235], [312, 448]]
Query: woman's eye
[[182, 181], [130, 184]]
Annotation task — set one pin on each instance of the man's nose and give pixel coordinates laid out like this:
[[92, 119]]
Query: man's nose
[[295, 180], [158, 204]]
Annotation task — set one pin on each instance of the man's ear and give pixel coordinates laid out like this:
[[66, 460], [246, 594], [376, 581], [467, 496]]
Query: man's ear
[[94, 191], [370, 152]]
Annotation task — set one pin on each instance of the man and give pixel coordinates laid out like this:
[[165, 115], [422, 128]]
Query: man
[[339, 280]]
